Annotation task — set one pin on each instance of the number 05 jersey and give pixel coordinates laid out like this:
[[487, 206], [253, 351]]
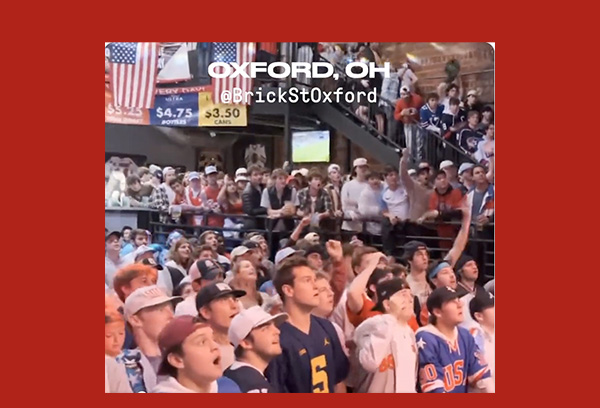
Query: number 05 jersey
[[313, 362]]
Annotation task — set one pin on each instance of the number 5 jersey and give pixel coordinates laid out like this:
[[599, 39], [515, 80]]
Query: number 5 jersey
[[313, 362]]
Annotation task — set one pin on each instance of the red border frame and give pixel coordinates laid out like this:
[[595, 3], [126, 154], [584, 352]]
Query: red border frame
[[64, 126]]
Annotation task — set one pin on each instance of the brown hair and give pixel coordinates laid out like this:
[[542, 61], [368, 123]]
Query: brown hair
[[321, 275], [358, 255], [398, 269], [285, 273], [142, 171], [172, 182], [314, 172], [255, 169], [387, 169], [132, 179], [125, 275], [279, 173], [174, 255], [205, 247]]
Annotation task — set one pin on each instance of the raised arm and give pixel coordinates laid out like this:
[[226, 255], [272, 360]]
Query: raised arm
[[359, 284], [463, 235], [409, 183]]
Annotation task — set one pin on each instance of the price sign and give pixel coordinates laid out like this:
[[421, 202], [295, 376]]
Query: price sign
[[175, 110], [122, 114], [211, 114]]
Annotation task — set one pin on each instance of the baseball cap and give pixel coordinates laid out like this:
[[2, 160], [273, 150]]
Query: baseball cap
[[206, 269], [238, 251], [440, 296], [210, 170], [141, 250], [241, 171], [153, 168], [111, 234], [462, 261], [316, 249], [284, 253], [241, 178], [303, 171], [472, 92], [215, 291], [446, 163], [247, 320], [411, 247], [361, 161], [333, 167], [257, 238], [168, 168], [250, 244], [464, 167], [437, 268], [482, 300], [294, 172], [312, 237], [194, 175], [158, 174], [386, 290], [144, 297], [151, 262], [173, 334]]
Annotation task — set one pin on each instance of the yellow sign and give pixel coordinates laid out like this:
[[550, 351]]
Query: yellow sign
[[211, 114]]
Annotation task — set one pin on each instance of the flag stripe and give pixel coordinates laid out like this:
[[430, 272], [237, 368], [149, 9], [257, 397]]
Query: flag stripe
[[239, 53]]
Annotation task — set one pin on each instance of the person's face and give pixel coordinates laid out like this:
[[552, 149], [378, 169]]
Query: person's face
[[471, 99], [452, 312], [212, 179], [304, 288], [136, 187], [264, 178], [280, 182], [206, 255], [490, 132], [487, 318], [188, 291], [231, 187], [241, 185], [247, 271], [374, 183], [470, 271], [220, 182], [262, 243], [487, 115], [178, 188], [114, 337], [169, 175], [473, 120], [420, 260], [185, 251], [126, 235], [195, 184], [433, 103], [201, 357], [468, 175], [315, 183], [335, 175], [453, 93], [423, 177], [138, 282], [211, 239], [392, 179], [445, 277], [362, 171], [441, 182], [146, 178], [325, 298], [265, 341], [404, 95], [401, 304], [478, 175], [315, 261], [155, 318], [141, 239], [221, 311], [454, 109], [113, 244]]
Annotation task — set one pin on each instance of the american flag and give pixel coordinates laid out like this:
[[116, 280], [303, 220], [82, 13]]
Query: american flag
[[133, 70], [232, 52]]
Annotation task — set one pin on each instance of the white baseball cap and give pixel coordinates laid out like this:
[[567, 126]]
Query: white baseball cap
[[141, 250], [210, 170], [312, 237], [144, 297], [284, 253], [303, 171], [249, 319], [411, 172], [153, 168], [294, 172], [194, 175], [241, 178], [446, 163], [241, 170], [333, 167], [238, 251], [361, 161], [472, 92]]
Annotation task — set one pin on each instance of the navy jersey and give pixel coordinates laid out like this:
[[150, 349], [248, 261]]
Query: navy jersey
[[313, 362], [449, 366], [448, 121], [468, 139], [248, 378], [430, 117]]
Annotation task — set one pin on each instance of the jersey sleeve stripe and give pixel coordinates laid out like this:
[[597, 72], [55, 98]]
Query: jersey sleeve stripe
[[477, 376], [432, 385]]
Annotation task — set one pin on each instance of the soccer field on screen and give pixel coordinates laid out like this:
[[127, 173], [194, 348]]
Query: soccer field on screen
[[313, 152]]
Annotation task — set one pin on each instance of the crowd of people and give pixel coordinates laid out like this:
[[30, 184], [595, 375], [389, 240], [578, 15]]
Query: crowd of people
[[342, 300]]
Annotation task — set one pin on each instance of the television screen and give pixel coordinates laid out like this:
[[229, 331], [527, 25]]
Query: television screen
[[310, 146]]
